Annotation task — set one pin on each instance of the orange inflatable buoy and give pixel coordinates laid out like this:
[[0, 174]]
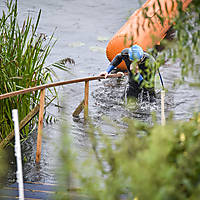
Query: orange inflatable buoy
[[146, 31]]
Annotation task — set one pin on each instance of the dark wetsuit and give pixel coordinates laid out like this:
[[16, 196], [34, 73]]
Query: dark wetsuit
[[136, 86]]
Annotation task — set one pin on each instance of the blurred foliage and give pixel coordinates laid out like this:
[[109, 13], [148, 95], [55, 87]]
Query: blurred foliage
[[144, 162], [3, 167], [182, 41]]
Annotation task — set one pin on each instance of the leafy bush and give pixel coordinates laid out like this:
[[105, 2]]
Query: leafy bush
[[145, 162]]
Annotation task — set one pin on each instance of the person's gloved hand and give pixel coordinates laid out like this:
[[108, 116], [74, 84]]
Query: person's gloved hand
[[121, 73], [105, 74]]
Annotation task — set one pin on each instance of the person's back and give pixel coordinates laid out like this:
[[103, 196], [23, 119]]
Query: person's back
[[142, 81], [141, 71]]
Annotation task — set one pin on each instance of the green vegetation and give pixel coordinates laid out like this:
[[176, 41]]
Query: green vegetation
[[184, 48], [3, 166], [145, 161], [23, 53], [148, 162]]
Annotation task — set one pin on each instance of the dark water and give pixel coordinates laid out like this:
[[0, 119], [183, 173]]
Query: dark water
[[83, 29]]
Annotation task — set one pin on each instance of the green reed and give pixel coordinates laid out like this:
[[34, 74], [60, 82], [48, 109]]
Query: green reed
[[23, 53]]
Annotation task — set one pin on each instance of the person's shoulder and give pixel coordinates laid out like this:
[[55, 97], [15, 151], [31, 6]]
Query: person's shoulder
[[124, 52], [146, 55], [149, 56]]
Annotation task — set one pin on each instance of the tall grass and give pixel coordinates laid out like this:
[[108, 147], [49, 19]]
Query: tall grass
[[23, 53]]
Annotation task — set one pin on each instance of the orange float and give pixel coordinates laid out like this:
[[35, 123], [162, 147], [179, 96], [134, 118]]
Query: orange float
[[139, 29]]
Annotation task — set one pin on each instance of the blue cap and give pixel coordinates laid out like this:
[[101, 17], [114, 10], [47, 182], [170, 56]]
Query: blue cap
[[135, 52]]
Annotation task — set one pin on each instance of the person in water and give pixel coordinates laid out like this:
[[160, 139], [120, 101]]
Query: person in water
[[141, 72]]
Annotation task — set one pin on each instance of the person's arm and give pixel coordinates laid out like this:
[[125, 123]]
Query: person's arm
[[115, 62], [110, 68]]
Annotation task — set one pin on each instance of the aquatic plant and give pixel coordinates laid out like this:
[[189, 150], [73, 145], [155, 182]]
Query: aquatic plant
[[23, 52], [3, 167]]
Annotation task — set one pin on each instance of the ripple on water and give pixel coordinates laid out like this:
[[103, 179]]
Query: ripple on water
[[109, 101]]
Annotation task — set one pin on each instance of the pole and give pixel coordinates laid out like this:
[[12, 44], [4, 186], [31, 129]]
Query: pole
[[163, 107], [78, 109], [86, 100], [18, 155], [40, 126], [161, 80], [22, 124]]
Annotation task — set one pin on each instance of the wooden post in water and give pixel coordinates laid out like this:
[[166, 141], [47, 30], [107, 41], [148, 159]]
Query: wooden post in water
[[40, 126], [163, 122], [78, 109], [86, 100]]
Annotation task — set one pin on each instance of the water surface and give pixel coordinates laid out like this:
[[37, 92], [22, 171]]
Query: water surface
[[83, 29]]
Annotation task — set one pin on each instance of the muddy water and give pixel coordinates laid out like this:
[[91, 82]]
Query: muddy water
[[83, 29]]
